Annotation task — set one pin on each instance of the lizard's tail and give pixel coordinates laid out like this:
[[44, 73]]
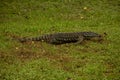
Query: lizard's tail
[[30, 39]]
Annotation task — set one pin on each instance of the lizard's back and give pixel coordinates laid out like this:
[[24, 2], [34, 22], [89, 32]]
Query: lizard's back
[[60, 38]]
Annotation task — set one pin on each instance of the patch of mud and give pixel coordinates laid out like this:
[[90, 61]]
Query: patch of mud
[[6, 58], [27, 52]]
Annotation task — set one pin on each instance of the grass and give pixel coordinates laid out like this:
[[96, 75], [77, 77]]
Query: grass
[[41, 61]]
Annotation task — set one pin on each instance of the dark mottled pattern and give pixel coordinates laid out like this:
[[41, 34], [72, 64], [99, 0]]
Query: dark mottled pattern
[[60, 38]]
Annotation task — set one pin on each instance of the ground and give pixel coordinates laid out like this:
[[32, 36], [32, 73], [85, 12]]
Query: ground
[[42, 61]]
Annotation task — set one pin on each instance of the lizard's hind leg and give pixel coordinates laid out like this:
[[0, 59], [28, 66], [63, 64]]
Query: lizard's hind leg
[[54, 41]]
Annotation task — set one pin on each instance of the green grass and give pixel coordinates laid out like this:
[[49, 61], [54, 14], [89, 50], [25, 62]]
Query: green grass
[[41, 61]]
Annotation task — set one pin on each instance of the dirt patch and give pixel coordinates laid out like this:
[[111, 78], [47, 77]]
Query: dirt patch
[[28, 52], [25, 54], [6, 58]]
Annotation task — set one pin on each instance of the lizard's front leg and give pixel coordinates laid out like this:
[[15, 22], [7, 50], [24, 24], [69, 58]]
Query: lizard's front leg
[[80, 39]]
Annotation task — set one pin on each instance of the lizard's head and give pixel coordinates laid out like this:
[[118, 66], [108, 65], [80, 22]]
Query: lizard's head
[[92, 36]]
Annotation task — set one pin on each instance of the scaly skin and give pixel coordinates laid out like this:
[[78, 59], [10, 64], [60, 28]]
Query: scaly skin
[[60, 38]]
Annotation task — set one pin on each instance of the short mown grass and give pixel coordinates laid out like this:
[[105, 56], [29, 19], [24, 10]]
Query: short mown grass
[[42, 61]]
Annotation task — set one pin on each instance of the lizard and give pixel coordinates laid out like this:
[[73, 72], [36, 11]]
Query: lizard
[[66, 37]]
